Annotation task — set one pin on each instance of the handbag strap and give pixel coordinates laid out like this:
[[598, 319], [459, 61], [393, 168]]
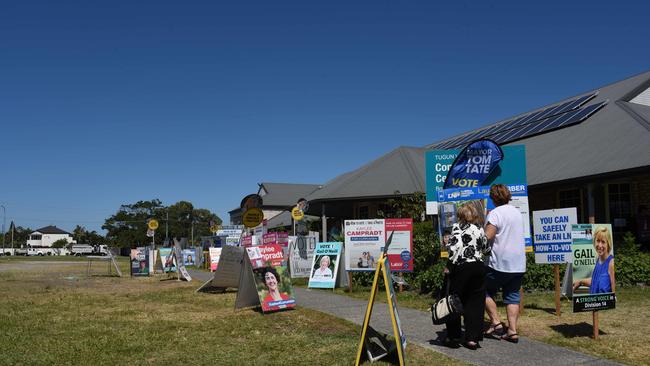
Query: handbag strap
[[448, 285]]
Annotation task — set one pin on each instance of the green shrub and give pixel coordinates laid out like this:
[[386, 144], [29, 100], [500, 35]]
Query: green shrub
[[632, 269]]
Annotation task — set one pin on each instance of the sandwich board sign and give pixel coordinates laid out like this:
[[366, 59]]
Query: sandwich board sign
[[325, 264], [228, 270], [375, 344], [264, 280], [301, 255]]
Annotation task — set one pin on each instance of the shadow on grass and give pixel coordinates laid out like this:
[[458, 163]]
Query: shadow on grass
[[583, 329], [551, 311]]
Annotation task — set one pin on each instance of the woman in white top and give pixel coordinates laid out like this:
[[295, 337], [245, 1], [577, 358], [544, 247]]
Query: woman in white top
[[507, 263]]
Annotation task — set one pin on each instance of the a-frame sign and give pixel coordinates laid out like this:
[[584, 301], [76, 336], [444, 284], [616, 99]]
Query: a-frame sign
[[372, 342]]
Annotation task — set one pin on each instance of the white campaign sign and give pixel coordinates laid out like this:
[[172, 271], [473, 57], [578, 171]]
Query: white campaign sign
[[364, 242], [552, 235]]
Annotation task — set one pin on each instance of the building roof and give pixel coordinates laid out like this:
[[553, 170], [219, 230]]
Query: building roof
[[51, 230], [399, 170], [284, 194], [615, 138], [284, 219]]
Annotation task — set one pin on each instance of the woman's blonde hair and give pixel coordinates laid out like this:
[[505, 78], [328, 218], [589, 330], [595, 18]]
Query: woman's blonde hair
[[467, 214], [603, 233]]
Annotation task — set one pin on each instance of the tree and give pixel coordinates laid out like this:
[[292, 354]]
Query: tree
[[21, 235], [60, 243], [405, 206], [128, 227], [83, 236]]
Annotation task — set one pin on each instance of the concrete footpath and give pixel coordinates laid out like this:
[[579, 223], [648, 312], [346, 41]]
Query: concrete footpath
[[418, 329]]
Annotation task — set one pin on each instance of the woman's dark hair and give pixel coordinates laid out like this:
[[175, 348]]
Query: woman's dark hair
[[500, 194], [273, 271]]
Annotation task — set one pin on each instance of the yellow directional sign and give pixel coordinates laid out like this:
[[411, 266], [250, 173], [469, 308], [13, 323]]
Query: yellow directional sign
[[252, 217], [297, 214], [152, 224]]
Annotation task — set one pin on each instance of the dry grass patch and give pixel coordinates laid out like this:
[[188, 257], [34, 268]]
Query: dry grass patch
[[56, 315]]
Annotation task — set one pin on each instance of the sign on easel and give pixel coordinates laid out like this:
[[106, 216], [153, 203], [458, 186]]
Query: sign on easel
[[139, 262], [264, 280], [228, 270], [167, 259], [325, 264], [182, 271], [301, 255], [373, 344]]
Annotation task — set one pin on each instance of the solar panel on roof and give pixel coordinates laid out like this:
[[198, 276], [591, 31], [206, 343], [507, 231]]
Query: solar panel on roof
[[586, 113], [558, 116], [524, 130], [550, 112], [541, 125]]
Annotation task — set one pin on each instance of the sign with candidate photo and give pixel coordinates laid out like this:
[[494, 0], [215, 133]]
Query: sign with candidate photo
[[593, 279], [325, 265]]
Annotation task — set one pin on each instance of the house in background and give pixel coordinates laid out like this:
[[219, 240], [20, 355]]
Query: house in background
[[46, 236]]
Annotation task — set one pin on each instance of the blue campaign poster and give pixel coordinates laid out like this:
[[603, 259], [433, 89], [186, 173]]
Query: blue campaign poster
[[325, 265]]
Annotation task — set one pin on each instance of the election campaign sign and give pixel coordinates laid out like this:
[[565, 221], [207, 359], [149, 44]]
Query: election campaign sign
[[140, 261], [325, 265], [215, 254], [189, 257], [400, 251], [511, 170], [167, 259], [301, 255], [364, 242], [552, 235], [272, 279], [450, 200], [593, 267]]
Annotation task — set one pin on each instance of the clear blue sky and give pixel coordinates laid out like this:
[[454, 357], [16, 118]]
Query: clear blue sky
[[108, 103]]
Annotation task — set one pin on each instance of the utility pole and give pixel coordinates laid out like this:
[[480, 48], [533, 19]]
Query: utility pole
[[4, 221], [167, 225]]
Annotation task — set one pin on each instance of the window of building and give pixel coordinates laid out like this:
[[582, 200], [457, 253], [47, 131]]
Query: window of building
[[572, 198], [35, 237], [364, 212], [620, 204]]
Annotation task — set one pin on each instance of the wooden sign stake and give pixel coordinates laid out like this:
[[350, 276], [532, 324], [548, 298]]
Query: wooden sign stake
[[558, 305], [595, 318]]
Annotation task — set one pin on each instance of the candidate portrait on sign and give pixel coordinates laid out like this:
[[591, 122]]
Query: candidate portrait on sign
[[323, 271]]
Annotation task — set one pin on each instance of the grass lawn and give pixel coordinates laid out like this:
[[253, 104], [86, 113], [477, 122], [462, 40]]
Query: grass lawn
[[623, 337], [54, 314]]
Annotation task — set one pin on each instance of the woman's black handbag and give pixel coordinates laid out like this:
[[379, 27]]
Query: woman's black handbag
[[446, 307]]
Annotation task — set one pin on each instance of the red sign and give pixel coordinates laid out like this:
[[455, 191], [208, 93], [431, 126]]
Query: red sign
[[400, 251]]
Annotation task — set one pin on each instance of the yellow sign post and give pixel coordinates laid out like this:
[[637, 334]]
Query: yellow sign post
[[252, 217], [297, 213], [152, 224], [372, 342]]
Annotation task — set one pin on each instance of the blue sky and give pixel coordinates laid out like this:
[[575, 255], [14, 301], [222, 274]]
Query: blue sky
[[108, 103]]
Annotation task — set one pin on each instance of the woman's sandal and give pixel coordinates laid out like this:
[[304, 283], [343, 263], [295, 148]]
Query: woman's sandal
[[495, 331], [511, 337]]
